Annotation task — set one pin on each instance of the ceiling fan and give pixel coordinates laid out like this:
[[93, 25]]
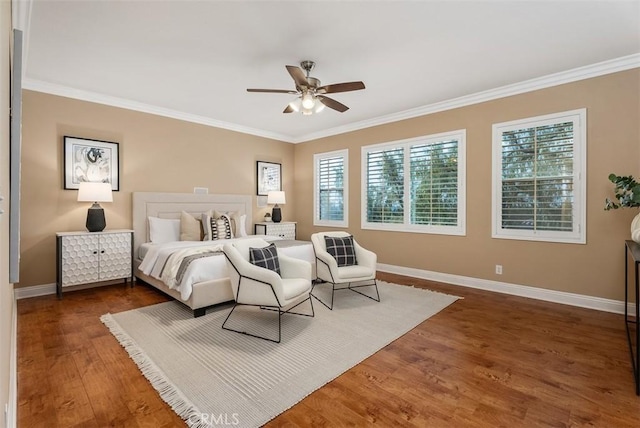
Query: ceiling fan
[[311, 98]]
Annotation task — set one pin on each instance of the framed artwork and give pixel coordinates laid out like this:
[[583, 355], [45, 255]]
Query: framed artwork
[[269, 177], [90, 160]]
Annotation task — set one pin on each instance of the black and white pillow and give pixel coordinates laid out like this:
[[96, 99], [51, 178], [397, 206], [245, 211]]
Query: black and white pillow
[[342, 249], [218, 228], [265, 257]]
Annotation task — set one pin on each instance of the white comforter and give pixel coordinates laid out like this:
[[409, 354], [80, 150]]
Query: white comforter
[[155, 263]]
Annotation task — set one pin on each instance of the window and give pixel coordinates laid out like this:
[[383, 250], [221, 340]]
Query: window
[[538, 188], [331, 183], [415, 185]]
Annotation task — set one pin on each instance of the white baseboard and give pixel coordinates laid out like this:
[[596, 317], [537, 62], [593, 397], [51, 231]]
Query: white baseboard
[[34, 291], [590, 302]]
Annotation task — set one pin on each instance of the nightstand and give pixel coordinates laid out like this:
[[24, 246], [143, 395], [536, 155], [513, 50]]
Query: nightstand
[[284, 229], [87, 257]]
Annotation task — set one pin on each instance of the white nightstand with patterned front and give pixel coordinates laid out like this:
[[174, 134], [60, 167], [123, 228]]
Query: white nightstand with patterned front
[[86, 257], [284, 229]]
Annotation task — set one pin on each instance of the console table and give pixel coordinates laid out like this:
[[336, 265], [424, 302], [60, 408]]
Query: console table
[[632, 248]]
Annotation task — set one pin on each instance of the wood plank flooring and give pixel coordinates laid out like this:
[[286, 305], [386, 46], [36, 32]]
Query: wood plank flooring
[[487, 360]]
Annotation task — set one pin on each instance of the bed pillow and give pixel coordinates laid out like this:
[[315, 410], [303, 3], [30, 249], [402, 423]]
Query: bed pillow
[[265, 257], [342, 249], [241, 226], [190, 227], [217, 228], [238, 222], [163, 230]]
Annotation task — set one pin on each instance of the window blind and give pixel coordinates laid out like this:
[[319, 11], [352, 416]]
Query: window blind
[[330, 186], [385, 186], [538, 178], [416, 185], [434, 183]]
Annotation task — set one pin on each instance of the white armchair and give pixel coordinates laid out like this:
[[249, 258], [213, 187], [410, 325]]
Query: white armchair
[[362, 274], [264, 288]]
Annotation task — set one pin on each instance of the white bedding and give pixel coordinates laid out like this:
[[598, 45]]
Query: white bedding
[[203, 269]]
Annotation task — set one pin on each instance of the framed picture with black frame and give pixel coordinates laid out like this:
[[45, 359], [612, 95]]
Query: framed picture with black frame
[[91, 160], [269, 177]]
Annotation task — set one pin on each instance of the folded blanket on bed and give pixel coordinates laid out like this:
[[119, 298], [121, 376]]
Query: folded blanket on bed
[[186, 262], [176, 263]]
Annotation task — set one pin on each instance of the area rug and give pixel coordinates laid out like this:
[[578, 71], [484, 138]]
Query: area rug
[[211, 377]]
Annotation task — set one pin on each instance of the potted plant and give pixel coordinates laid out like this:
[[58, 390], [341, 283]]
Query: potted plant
[[627, 193], [267, 217]]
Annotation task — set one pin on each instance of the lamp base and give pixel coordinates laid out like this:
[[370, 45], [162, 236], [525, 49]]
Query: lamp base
[[95, 219], [276, 214]]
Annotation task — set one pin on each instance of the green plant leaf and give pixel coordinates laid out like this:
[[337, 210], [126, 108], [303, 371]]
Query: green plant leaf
[[626, 191]]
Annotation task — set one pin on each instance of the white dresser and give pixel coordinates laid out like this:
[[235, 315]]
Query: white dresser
[[284, 229], [86, 257]]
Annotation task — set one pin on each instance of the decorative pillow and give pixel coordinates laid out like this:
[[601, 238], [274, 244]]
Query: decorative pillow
[[190, 227], [265, 257], [163, 230], [342, 249], [217, 228], [237, 221]]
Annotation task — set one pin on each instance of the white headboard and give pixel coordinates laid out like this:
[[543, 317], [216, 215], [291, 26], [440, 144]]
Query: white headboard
[[170, 205]]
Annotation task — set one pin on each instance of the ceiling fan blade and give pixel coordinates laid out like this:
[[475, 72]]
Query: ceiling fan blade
[[288, 109], [298, 76], [331, 103], [274, 91], [340, 87]]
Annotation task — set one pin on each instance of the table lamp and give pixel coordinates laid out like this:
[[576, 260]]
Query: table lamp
[[276, 197], [95, 192]]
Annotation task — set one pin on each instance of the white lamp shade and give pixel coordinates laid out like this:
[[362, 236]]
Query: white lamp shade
[[276, 197], [95, 192], [308, 101]]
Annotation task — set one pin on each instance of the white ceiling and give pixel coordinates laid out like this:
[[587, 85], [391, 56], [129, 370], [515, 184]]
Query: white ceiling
[[194, 60]]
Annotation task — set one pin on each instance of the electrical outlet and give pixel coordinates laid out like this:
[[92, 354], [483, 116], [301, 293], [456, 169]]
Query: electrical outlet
[[499, 269]]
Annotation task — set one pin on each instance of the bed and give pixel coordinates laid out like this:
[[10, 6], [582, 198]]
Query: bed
[[204, 282]]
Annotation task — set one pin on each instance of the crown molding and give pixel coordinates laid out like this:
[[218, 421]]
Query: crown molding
[[94, 97], [576, 74]]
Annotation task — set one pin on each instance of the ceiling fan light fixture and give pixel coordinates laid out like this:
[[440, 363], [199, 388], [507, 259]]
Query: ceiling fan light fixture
[[311, 96], [308, 100]]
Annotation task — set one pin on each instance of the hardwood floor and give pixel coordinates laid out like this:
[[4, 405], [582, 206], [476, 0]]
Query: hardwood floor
[[487, 360]]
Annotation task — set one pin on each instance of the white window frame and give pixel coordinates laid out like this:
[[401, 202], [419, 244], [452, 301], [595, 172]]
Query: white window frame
[[458, 230], [345, 191], [579, 234]]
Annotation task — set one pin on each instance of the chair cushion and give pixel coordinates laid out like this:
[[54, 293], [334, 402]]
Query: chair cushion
[[293, 287], [353, 272], [265, 257], [342, 250]]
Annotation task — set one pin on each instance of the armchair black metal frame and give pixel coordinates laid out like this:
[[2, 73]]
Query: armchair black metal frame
[[265, 307], [348, 287]]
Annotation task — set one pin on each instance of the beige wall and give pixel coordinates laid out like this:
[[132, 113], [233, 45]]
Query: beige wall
[[156, 154], [594, 269], [161, 154]]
